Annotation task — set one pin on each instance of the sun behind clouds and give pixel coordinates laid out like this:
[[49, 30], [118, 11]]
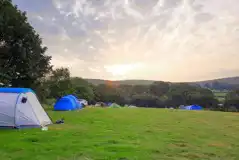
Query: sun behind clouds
[[118, 70], [175, 40]]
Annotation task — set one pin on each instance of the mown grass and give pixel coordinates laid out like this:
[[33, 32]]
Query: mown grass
[[220, 95], [127, 134]]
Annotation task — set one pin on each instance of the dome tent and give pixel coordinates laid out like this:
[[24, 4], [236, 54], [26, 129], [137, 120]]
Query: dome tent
[[109, 104], [83, 102], [78, 104], [132, 106], [114, 105], [67, 103], [20, 108], [193, 107]]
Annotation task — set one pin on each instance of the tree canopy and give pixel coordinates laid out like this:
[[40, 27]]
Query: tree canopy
[[23, 61]]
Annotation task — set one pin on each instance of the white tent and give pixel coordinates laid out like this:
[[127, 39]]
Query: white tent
[[84, 102], [20, 108]]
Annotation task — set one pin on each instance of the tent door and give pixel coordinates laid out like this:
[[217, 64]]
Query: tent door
[[24, 114]]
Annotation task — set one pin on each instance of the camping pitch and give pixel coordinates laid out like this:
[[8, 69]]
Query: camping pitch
[[20, 108]]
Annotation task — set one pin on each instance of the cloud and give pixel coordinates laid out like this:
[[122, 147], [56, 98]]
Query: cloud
[[122, 69], [203, 17], [94, 69], [176, 40]]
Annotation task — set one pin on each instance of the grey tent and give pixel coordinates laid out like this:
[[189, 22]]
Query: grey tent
[[20, 108]]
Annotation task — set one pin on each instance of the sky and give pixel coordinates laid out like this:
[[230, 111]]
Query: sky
[[169, 40]]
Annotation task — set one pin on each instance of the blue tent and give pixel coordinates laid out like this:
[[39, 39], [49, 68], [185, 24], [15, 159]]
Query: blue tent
[[109, 104], [193, 107], [67, 103]]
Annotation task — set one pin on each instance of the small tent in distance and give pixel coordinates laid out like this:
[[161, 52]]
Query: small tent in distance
[[193, 107], [67, 103], [115, 105], [20, 108], [83, 102]]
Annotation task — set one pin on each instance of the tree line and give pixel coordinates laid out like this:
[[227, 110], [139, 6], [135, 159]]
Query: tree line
[[159, 94], [24, 63]]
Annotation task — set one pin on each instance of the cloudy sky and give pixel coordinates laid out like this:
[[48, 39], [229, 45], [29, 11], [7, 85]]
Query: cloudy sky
[[172, 40]]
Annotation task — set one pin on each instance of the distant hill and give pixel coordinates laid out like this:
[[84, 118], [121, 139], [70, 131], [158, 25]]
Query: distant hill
[[120, 82], [229, 80], [217, 84]]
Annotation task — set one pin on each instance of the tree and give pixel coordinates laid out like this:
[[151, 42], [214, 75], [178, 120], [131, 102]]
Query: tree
[[109, 93], [185, 94], [59, 83], [22, 57], [232, 100], [83, 89], [60, 74], [202, 99], [159, 88], [146, 100], [140, 89], [178, 93]]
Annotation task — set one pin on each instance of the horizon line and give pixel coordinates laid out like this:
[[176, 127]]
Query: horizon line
[[220, 78]]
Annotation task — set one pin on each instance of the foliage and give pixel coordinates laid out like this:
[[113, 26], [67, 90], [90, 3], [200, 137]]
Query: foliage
[[58, 83], [232, 101], [84, 92], [159, 88], [22, 57]]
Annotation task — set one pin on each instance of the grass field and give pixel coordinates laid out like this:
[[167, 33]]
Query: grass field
[[127, 134], [220, 95]]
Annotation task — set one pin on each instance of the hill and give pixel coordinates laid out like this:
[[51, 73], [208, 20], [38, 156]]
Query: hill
[[219, 84], [127, 134], [216, 84], [121, 82], [228, 80]]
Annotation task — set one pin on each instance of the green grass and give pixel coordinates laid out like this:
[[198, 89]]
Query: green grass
[[127, 134], [220, 95]]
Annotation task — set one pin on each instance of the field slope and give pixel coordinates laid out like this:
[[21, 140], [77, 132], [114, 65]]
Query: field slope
[[127, 134]]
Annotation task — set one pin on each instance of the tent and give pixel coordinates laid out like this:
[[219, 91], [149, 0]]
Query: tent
[[20, 108], [193, 107], [100, 104], [114, 105], [67, 103], [132, 106], [181, 107], [83, 102]]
